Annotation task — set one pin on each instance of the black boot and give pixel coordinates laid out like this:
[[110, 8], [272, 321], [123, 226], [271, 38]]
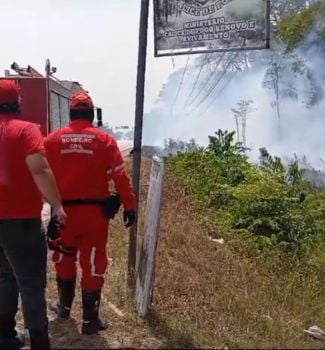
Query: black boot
[[10, 338], [12, 343], [39, 339], [90, 304], [66, 291]]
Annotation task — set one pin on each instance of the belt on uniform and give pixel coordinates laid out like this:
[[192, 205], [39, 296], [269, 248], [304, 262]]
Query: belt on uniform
[[79, 201], [110, 205]]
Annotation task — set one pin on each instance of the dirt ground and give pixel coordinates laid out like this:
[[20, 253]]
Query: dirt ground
[[205, 295]]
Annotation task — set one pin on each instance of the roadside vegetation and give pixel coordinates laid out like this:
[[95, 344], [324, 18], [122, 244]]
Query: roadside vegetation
[[265, 285]]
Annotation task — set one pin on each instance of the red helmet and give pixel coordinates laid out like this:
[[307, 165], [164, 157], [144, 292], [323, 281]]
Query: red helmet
[[81, 100], [9, 91]]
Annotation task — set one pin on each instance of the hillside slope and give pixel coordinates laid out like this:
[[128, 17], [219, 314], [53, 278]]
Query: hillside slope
[[206, 295], [211, 295]]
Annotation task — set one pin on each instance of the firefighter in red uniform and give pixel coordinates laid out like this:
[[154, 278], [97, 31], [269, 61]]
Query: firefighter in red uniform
[[25, 177], [83, 159]]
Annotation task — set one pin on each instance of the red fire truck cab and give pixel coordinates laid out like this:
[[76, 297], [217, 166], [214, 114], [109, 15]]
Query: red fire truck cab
[[45, 99]]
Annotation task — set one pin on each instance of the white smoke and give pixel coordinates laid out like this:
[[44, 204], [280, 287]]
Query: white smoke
[[302, 128], [253, 8]]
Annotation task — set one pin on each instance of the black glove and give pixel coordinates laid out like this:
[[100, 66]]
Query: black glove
[[54, 240], [53, 229], [111, 206], [57, 246], [129, 218]]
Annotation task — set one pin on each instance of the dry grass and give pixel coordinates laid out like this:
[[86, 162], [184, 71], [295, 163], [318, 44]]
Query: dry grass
[[205, 295], [210, 296]]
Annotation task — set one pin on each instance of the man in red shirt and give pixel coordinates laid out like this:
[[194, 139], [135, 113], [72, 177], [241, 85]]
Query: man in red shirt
[[84, 159], [25, 177]]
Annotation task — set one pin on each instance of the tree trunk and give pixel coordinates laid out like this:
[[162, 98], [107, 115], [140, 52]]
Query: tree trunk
[[237, 129], [277, 99], [244, 130]]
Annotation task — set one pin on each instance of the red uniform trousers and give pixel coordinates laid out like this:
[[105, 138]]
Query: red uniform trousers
[[86, 230]]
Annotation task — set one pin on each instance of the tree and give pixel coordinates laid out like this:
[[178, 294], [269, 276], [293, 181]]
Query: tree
[[274, 164], [172, 146], [272, 81], [293, 29], [192, 145], [284, 8], [241, 113], [222, 145], [294, 174], [288, 74]]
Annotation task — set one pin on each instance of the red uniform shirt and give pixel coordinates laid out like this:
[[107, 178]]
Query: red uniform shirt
[[83, 158], [19, 196]]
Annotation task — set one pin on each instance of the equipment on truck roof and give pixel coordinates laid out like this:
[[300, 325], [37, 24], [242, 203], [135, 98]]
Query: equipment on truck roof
[[45, 99]]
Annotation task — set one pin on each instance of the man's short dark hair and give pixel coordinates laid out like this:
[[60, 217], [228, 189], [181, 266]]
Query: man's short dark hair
[[87, 114], [10, 108]]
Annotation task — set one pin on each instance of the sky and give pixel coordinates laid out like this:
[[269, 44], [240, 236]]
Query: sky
[[96, 43], [92, 42]]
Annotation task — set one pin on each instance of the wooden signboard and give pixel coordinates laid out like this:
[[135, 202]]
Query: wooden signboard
[[147, 254]]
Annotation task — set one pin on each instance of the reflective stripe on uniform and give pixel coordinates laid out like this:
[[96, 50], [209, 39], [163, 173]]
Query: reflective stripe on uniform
[[116, 169], [60, 258], [87, 151], [90, 136], [92, 263]]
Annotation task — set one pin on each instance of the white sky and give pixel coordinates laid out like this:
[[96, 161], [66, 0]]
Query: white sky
[[93, 42]]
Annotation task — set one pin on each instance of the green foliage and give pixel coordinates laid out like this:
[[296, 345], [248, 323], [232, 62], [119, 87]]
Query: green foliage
[[270, 163], [294, 28], [223, 146], [271, 202], [267, 209], [295, 175], [292, 175]]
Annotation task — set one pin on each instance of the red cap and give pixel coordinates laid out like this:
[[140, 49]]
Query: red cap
[[9, 91], [81, 100]]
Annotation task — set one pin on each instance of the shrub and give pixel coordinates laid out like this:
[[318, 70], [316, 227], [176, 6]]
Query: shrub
[[270, 201]]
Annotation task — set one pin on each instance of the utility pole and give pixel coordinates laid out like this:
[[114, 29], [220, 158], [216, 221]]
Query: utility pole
[[138, 125], [48, 94]]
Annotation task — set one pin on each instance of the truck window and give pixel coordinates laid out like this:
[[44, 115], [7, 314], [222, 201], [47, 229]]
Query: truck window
[[55, 111], [64, 111]]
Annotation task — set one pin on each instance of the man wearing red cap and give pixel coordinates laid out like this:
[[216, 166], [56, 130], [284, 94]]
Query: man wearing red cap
[[25, 177], [84, 159]]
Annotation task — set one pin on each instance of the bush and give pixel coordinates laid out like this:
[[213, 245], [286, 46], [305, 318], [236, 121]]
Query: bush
[[269, 201]]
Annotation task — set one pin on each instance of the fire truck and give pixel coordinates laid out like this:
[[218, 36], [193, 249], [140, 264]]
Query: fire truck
[[44, 98]]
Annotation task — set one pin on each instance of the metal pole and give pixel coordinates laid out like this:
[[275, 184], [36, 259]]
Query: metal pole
[[138, 123], [48, 95]]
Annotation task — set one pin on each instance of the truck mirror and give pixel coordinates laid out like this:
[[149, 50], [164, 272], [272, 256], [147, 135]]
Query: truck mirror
[[99, 117]]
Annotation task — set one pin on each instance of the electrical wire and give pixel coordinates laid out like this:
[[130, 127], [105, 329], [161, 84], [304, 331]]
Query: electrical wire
[[210, 77], [216, 83], [180, 85], [219, 92], [182, 80], [204, 61]]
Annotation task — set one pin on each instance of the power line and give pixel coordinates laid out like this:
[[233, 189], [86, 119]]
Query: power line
[[216, 83], [197, 78], [181, 82], [209, 79], [219, 92]]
